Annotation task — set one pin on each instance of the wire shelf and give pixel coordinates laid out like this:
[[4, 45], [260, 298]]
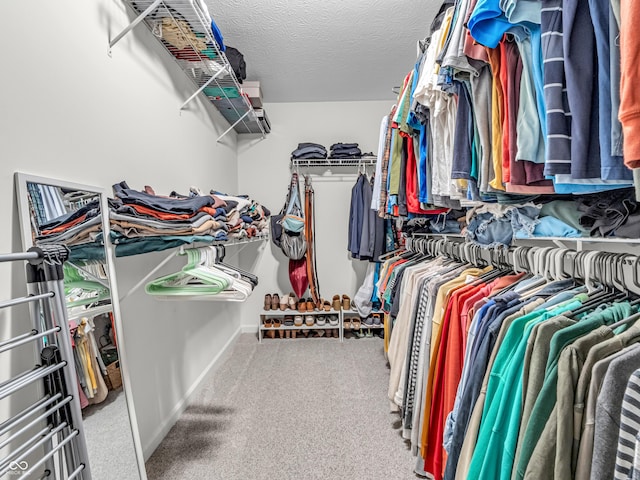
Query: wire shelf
[[333, 162], [183, 27]]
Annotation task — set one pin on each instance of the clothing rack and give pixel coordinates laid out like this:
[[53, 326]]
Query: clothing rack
[[58, 449], [614, 270]]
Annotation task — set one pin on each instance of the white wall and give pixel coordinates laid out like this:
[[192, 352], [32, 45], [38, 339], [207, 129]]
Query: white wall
[[264, 173], [68, 110]]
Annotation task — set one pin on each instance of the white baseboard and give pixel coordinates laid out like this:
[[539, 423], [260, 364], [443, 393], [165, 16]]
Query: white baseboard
[[181, 406], [249, 328]]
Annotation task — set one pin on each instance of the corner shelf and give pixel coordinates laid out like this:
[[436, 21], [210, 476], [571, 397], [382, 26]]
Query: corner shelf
[[199, 58]]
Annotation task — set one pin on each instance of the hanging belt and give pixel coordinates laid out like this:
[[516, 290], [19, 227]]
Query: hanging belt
[[309, 227]]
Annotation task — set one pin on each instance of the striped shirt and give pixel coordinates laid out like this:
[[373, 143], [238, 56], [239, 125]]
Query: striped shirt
[[627, 458], [558, 152]]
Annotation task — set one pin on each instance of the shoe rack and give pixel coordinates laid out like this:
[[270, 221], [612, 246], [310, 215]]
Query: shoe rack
[[281, 314]]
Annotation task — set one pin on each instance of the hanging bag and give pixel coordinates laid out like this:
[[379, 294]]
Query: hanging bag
[[292, 241]]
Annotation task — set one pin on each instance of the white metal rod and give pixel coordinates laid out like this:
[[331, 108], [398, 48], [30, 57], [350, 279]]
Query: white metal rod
[[27, 412], [232, 126], [12, 257], [27, 299], [17, 342], [50, 435], [7, 461], [137, 20], [33, 422], [60, 445], [203, 87], [147, 277], [76, 472], [38, 373], [19, 337]]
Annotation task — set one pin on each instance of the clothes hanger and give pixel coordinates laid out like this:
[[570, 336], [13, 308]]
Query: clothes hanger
[[250, 277], [80, 291], [194, 279]]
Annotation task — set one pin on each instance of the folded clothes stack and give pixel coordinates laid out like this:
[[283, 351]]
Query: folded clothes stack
[[345, 150], [309, 151], [142, 221], [79, 227]]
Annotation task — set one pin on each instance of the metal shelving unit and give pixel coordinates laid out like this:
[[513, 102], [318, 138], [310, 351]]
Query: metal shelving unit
[[333, 162], [187, 24], [46, 439], [282, 313]]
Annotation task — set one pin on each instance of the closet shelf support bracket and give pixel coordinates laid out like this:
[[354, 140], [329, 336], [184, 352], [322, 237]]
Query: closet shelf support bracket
[[232, 126], [206, 84], [133, 24], [148, 276]]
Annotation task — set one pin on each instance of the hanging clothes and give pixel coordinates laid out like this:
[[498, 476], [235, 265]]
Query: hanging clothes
[[504, 375]]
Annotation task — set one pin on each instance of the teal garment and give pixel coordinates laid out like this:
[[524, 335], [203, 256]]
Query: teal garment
[[498, 434], [228, 92], [566, 211], [547, 398]]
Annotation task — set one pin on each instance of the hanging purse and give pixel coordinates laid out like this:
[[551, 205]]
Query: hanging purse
[[293, 242]]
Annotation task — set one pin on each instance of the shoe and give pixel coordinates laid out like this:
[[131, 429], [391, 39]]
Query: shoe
[[288, 321], [270, 333], [277, 323], [310, 305], [326, 306], [336, 333], [283, 302], [355, 322], [336, 304], [377, 320], [368, 322], [321, 321], [305, 333], [293, 334], [297, 320], [369, 333], [309, 321], [268, 322], [347, 324], [292, 301], [302, 306], [319, 333], [267, 301], [346, 302], [333, 320], [281, 333], [275, 301], [287, 334]]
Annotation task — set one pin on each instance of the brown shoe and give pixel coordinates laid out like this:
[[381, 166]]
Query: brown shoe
[[310, 305], [302, 306], [326, 306], [267, 301], [275, 301], [346, 302], [336, 304]]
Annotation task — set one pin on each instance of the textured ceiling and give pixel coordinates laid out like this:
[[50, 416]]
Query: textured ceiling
[[325, 50]]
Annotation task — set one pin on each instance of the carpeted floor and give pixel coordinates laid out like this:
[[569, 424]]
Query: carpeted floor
[[290, 409]]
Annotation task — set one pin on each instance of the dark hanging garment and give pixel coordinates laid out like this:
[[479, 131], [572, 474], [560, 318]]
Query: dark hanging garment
[[236, 59], [356, 216]]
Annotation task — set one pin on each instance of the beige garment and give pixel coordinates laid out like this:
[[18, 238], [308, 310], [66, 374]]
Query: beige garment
[[131, 229], [471, 436], [100, 389], [398, 344], [179, 34]]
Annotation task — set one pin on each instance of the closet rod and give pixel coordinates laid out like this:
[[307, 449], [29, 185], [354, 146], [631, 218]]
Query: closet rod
[[13, 257]]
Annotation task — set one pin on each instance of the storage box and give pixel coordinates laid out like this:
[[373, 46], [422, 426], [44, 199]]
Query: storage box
[[114, 378], [252, 88]]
